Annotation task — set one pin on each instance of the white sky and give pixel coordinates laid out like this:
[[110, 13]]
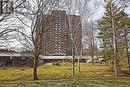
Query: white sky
[[100, 11], [98, 14]]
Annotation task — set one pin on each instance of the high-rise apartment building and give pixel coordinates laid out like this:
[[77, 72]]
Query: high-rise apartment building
[[57, 39]]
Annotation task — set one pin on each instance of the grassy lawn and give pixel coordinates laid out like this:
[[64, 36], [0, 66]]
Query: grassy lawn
[[97, 75]]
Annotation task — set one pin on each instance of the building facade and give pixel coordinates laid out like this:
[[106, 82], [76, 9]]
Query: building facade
[[59, 30]]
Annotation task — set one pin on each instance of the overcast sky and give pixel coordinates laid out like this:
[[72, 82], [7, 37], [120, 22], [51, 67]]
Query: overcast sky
[[100, 11]]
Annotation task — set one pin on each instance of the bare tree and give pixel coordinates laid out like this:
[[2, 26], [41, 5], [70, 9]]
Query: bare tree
[[90, 38], [7, 27], [85, 12], [36, 12]]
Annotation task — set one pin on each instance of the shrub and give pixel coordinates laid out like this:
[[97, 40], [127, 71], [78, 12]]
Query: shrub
[[56, 63], [53, 63]]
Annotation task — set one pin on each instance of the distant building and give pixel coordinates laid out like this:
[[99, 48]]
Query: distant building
[[10, 58], [57, 40], [18, 59]]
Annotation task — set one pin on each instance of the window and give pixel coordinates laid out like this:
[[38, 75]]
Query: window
[[59, 40], [56, 37]]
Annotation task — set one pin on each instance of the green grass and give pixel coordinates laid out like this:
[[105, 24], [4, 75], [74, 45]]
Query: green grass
[[76, 82], [97, 75]]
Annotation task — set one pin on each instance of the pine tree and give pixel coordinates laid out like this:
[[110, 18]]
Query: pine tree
[[110, 32]]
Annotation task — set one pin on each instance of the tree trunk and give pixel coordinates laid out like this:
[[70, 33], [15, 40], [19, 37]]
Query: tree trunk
[[127, 50], [79, 65], [97, 56], [128, 62], [80, 57], [73, 66], [35, 76], [116, 60], [128, 59], [73, 59], [92, 59]]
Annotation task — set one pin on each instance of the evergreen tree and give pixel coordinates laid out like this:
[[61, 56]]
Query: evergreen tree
[[111, 28]]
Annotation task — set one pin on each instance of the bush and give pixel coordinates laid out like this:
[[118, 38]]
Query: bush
[[56, 63]]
